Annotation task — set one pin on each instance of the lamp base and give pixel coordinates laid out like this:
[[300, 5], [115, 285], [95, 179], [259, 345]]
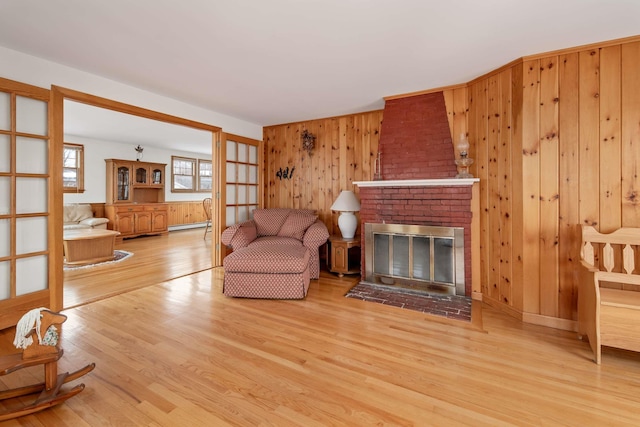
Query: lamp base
[[347, 222]]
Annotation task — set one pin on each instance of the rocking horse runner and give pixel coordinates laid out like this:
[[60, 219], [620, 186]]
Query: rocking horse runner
[[37, 336]]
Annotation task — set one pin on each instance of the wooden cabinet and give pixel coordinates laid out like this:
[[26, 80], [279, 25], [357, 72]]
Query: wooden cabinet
[[134, 220], [135, 196], [344, 255], [148, 175], [130, 181]]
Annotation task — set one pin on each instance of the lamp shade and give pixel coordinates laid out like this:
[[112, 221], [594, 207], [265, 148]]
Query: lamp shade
[[346, 202]]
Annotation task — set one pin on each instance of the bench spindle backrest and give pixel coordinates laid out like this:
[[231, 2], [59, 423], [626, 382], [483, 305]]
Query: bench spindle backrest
[[622, 236]]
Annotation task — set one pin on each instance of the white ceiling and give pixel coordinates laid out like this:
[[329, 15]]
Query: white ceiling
[[106, 125], [280, 61]]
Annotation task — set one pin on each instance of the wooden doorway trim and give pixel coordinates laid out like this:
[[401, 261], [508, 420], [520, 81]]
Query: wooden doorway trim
[[59, 94]]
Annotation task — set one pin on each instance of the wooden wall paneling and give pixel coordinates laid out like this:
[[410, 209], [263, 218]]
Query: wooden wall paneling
[[196, 211], [493, 146], [568, 144], [589, 110], [610, 140], [268, 136], [280, 155], [530, 174], [313, 169], [449, 103], [343, 161], [329, 174], [353, 135], [97, 209], [273, 154], [505, 185], [172, 213], [186, 212], [344, 152], [630, 131], [317, 160], [549, 192], [479, 107], [357, 155], [460, 122], [335, 168], [517, 195], [285, 186]]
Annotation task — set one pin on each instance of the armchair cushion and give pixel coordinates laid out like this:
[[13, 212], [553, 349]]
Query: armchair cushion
[[269, 221], [296, 224]]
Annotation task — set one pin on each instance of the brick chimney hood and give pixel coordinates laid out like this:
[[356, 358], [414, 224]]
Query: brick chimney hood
[[415, 140]]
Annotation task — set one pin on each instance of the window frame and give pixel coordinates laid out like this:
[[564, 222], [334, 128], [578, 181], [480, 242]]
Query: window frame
[[195, 176], [79, 148], [200, 189]]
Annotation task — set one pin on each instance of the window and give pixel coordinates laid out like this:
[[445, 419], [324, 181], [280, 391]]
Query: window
[[205, 176], [191, 175], [73, 168]]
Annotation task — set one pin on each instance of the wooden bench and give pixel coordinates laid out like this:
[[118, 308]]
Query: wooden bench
[[609, 293]]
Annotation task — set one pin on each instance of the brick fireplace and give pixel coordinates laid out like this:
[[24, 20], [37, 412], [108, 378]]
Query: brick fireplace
[[417, 170]]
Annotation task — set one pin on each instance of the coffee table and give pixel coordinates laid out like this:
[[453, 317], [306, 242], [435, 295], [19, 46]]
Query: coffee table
[[88, 246]]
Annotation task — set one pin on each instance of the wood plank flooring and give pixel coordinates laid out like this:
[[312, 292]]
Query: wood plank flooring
[[179, 353], [160, 258]]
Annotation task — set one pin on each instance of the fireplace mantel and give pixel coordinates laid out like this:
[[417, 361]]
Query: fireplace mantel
[[451, 182]]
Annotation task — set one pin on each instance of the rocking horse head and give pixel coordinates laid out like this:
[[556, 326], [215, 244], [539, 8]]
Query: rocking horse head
[[41, 323]]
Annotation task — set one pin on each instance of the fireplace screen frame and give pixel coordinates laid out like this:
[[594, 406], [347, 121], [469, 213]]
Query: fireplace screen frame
[[456, 286]]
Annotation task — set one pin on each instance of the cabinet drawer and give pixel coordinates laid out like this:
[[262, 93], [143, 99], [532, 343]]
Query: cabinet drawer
[[125, 209], [154, 208]]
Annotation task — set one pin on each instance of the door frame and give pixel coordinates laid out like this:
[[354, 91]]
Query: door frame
[[58, 95]]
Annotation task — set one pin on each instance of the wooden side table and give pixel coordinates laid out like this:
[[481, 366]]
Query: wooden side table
[[343, 259]]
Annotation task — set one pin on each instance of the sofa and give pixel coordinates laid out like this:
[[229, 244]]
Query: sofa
[[275, 253], [78, 216]]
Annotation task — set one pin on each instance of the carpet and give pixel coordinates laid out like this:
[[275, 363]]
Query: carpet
[[117, 257], [449, 306]]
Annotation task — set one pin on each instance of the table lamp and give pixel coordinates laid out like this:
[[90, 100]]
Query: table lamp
[[347, 204]]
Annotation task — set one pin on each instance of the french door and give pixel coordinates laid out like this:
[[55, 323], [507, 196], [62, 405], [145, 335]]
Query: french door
[[242, 181], [29, 175]]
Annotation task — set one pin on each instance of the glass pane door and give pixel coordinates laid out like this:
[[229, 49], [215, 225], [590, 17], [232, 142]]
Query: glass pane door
[[242, 179], [25, 221]]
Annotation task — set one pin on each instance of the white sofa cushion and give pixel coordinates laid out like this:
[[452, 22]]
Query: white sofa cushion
[[76, 213], [77, 216]]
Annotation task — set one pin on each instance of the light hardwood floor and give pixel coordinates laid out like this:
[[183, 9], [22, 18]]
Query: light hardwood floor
[[155, 259], [179, 353]]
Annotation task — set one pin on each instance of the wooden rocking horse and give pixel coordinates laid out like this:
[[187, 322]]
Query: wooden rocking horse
[[37, 336]]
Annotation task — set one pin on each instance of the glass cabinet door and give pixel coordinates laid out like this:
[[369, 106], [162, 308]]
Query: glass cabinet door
[[156, 176], [141, 175], [123, 182]]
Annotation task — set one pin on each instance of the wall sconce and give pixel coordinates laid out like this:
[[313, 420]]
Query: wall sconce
[[347, 204], [308, 141], [464, 161], [139, 151]]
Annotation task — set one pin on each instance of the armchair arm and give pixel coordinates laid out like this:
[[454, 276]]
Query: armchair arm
[[316, 235], [239, 235]]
